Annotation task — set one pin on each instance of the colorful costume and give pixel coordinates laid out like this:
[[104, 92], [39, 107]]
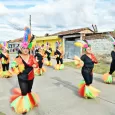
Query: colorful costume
[[108, 76], [23, 99], [40, 58], [59, 59], [48, 55], [5, 62], [87, 64]]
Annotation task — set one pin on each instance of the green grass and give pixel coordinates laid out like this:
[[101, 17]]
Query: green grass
[[2, 113], [13, 53], [99, 68]]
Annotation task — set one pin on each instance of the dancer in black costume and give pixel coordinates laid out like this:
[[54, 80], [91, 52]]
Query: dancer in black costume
[[107, 77], [48, 54], [5, 59], [23, 99], [59, 58], [40, 59], [87, 62]]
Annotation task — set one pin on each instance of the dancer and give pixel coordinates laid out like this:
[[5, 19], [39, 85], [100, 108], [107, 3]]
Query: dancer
[[43, 49], [87, 62], [5, 62], [59, 58], [24, 100], [107, 77], [36, 50], [48, 55], [40, 59]]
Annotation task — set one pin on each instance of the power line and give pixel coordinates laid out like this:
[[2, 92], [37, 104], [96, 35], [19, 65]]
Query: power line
[[16, 27]]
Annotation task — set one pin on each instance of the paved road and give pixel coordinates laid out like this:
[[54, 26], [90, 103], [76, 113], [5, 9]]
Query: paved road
[[58, 94]]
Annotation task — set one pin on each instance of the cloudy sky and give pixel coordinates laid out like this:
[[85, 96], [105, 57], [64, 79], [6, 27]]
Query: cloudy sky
[[50, 16]]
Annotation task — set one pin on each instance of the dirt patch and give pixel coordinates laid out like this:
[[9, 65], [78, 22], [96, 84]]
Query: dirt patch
[[105, 58]]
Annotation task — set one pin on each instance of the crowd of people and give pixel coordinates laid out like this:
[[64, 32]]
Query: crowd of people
[[26, 66]]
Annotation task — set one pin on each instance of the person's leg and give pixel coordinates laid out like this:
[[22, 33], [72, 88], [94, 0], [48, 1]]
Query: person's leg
[[57, 59], [91, 77], [30, 84], [86, 76], [49, 58], [32, 100], [7, 66], [23, 86], [61, 60], [24, 89], [3, 67], [112, 69], [40, 66]]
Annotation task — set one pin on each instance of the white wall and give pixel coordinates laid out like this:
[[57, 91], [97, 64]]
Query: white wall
[[101, 46]]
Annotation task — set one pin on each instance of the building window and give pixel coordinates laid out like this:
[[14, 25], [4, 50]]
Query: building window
[[10, 45], [13, 45]]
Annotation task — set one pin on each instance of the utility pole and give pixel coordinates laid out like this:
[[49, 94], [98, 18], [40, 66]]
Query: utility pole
[[30, 23], [31, 51]]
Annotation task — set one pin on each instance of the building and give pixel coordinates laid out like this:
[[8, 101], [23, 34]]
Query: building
[[69, 38], [14, 44], [101, 42], [52, 40], [98, 40]]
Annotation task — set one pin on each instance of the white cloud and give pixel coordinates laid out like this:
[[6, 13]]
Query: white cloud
[[58, 15], [8, 34], [3, 10], [68, 14], [21, 2]]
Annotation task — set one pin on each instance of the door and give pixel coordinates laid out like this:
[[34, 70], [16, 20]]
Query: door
[[71, 50]]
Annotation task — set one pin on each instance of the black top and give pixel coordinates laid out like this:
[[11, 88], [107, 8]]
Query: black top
[[3, 56], [36, 51], [88, 63], [48, 52], [113, 59], [113, 55], [39, 56], [24, 74], [57, 53]]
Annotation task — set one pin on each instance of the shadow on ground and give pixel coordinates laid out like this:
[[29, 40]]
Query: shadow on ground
[[98, 80], [51, 67], [66, 84]]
